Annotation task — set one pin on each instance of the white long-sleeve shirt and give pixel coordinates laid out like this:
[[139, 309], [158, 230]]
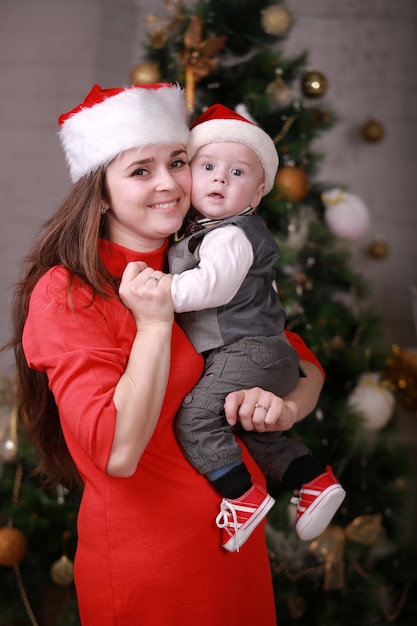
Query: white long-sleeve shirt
[[225, 256]]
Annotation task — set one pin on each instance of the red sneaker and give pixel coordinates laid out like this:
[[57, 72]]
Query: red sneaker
[[239, 518], [317, 503]]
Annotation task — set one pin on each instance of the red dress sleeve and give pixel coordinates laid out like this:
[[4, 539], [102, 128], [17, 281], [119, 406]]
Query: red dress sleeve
[[303, 351], [80, 348]]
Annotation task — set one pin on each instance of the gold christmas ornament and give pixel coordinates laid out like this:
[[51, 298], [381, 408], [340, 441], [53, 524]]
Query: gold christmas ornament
[[62, 571], [378, 248], [278, 90], [291, 183], [372, 131], [145, 73], [13, 546], [314, 84], [401, 370], [276, 20]]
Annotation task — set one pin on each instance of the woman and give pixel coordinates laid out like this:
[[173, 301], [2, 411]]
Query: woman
[[94, 322]]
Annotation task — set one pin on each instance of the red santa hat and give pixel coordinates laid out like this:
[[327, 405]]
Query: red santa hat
[[218, 123], [110, 121]]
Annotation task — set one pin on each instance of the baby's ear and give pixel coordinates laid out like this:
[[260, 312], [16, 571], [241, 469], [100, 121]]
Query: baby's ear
[[258, 196]]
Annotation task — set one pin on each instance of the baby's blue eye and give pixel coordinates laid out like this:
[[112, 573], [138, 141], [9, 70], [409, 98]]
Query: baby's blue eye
[[237, 172], [208, 167]]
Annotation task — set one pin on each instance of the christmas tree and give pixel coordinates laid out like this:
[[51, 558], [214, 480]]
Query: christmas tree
[[361, 569], [37, 532]]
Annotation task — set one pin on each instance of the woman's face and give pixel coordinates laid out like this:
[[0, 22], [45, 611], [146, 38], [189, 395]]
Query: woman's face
[[148, 195]]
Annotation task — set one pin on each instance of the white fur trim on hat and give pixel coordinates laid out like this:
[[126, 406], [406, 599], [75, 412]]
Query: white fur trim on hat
[[135, 117], [251, 135]]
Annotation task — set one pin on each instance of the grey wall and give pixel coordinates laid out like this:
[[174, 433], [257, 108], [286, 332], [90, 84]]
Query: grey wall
[[368, 51], [52, 51]]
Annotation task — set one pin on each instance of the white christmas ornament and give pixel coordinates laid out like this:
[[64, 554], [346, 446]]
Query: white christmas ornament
[[346, 215], [373, 400]]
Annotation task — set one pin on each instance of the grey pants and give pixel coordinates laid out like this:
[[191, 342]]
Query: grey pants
[[207, 440]]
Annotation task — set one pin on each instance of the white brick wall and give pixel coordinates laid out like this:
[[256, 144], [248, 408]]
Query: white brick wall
[[52, 51]]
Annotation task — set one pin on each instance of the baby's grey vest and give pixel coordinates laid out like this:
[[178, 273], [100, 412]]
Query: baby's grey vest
[[255, 310]]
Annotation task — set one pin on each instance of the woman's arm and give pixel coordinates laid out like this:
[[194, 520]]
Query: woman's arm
[[108, 391], [302, 400], [140, 392]]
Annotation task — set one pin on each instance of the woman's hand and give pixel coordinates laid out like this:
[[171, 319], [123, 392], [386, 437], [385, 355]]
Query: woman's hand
[[259, 410], [147, 294]]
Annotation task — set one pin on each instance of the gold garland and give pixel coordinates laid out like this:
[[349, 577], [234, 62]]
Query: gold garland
[[15, 497], [283, 568], [391, 617], [23, 595], [284, 130]]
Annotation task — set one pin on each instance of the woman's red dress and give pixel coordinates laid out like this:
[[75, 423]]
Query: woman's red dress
[[149, 552]]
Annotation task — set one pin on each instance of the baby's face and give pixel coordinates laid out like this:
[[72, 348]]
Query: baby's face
[[227, 177]]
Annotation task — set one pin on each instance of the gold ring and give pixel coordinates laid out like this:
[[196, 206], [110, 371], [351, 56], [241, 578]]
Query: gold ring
[[260, 406]]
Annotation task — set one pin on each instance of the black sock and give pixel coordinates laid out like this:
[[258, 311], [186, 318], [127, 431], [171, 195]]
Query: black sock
[[234, 483], [302, 470]]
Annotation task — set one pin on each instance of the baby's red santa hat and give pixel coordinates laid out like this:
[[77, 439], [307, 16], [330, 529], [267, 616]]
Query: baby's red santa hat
[[111, 121], [219, 123]]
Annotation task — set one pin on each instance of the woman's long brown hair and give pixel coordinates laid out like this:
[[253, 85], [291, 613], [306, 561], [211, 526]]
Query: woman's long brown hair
[[70, 239]]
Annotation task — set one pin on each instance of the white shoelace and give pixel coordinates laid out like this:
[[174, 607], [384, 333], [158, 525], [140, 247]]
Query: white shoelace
[[223, 521]]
